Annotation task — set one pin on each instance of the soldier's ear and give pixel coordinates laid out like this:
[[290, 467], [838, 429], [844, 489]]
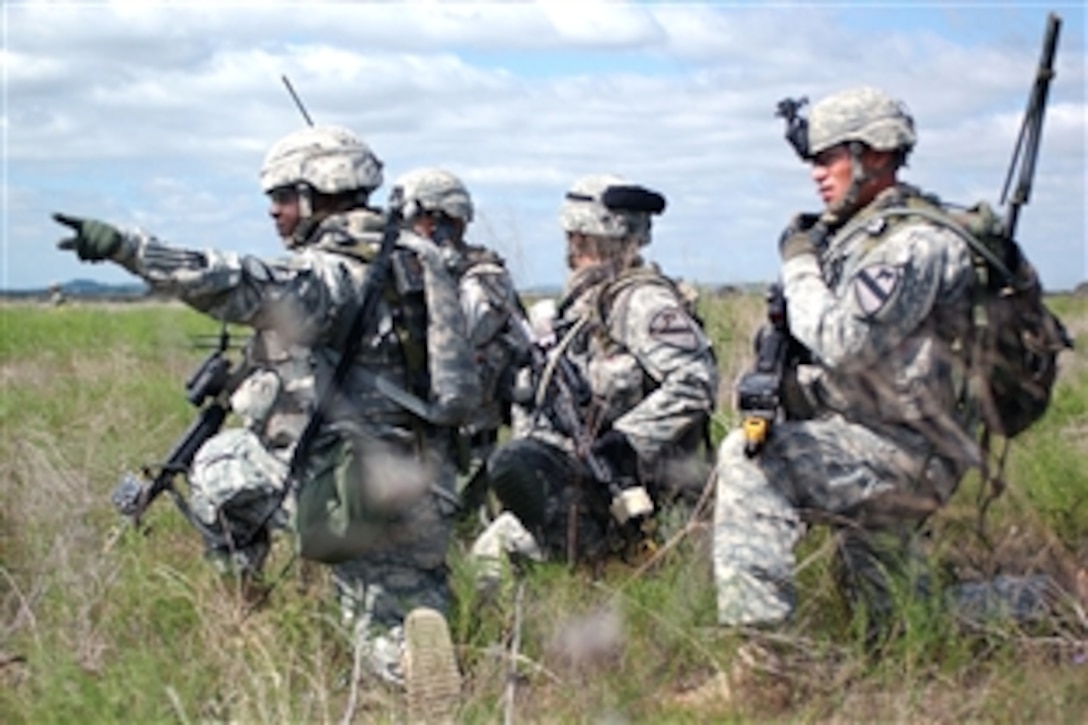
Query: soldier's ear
[[880, 161]]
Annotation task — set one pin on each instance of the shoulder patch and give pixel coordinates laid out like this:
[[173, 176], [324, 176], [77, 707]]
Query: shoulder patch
[[875, 286], [673, 327]]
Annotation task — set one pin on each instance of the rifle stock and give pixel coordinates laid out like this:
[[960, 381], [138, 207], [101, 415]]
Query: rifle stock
[[132, 497]]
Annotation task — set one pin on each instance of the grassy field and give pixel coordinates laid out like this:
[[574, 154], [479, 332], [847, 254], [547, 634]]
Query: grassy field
[[102, 623]]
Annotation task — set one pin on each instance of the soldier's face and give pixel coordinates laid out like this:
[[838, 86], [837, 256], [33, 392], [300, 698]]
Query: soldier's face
[[284, 210], [581, 251], [831, 173], [423, 225], [832, 170]]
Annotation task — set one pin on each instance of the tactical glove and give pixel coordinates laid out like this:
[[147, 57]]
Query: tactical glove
[[804, 235], [93, 240], [618, 453], [630, 500]]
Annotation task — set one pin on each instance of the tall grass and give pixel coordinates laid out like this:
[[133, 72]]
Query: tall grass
[[102, 623]]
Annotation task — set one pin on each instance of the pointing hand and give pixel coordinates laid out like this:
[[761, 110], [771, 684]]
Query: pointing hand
[[93, 240]]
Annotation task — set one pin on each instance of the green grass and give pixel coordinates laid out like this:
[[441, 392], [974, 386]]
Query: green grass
[[100, 623]]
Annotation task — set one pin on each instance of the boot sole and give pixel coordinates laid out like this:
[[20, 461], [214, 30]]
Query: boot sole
[[432, 680]]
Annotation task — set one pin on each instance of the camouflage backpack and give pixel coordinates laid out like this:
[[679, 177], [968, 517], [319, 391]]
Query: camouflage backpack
[[1012, 352], [1017, 338]]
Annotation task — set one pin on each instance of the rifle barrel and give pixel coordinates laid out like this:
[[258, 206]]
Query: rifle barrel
[[1026, 150]]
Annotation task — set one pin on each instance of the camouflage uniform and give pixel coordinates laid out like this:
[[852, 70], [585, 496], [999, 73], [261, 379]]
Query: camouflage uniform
[[301, 308], [627, 332], [881, 305], [882, 396], [493, 311], [406, 566]]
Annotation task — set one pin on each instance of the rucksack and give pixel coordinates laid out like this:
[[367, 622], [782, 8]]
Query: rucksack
[[1012, 350], [1016, 338]]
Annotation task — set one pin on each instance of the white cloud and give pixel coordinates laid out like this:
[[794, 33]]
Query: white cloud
[[599, 24], [161, 114]]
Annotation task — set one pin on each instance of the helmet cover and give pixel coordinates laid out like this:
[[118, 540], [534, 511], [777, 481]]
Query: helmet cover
[[609, 206], [860, 114], [434, 190], [329, 159]]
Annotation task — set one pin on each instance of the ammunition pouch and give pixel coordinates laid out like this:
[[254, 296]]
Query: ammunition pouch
[[358, 487]]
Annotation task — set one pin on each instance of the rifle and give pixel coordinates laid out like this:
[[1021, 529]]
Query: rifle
[[561, 392], [761, 390], [214, 380], [374, 285], [1026, 150]]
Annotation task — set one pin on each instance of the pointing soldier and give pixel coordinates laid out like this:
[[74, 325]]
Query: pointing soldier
[[318, 181]]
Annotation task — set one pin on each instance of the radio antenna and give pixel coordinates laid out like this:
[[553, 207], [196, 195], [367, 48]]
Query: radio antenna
[[298, 101]]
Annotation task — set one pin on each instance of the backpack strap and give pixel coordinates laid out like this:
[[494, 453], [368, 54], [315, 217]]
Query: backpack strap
[[481, 260], [407, 310], [628, 279], [941, 218]]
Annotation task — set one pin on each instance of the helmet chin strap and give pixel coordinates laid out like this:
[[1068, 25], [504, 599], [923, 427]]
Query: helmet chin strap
[[305, 201]]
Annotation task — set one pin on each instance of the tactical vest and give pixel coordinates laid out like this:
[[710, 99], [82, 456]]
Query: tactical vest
[[403, 293]]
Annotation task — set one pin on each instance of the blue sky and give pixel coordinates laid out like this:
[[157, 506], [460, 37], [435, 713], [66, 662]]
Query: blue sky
[[155, 115]]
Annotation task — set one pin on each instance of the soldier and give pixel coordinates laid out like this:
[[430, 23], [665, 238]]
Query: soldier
[[881, 303], [613, 414], [399, 461], [438, 207], [56, 294]]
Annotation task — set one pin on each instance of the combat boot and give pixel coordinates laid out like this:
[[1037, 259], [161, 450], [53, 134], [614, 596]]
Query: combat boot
[[505, 541], [431, 678]]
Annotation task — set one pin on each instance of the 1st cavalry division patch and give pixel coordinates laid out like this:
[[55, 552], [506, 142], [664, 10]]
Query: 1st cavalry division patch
[[874, 286]]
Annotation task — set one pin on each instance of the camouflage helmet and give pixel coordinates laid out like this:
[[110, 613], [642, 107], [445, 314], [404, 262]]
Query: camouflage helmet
[[604, 205], [329, 159], [860, 114], [434, 190]]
